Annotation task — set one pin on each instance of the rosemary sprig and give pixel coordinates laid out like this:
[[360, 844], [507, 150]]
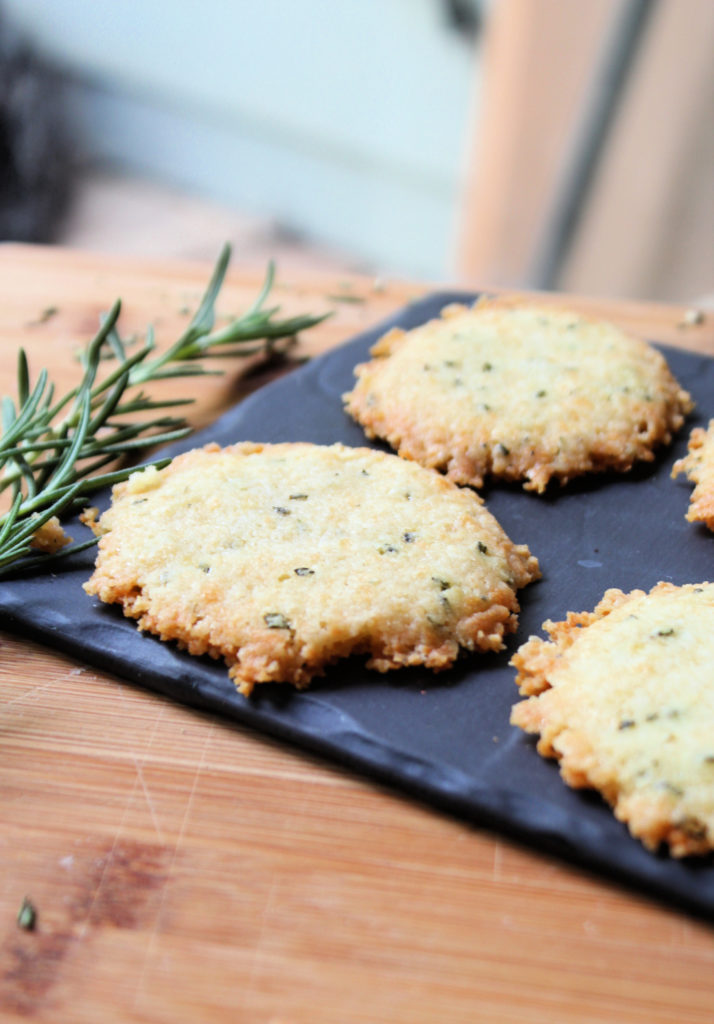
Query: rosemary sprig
[[51, 449]]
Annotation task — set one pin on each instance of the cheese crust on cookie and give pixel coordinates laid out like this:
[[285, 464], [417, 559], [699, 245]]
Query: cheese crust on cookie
[[624, 697], [519, 392], [284, 558], [698, 465]]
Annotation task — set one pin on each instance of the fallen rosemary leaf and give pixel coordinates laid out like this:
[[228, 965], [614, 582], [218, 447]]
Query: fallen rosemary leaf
[[47, 313], [51, 449], [345, 297], [27, 915]]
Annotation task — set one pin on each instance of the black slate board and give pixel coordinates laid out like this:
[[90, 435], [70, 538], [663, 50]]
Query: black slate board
[[445, 739]]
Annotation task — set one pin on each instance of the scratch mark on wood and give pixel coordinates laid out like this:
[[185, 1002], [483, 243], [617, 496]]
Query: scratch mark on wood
[[262, 932], [33, 691], [151, 944], [149, 800], [497, 862]]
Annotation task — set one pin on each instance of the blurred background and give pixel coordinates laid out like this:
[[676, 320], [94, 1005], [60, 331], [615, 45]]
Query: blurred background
[[558, 144]]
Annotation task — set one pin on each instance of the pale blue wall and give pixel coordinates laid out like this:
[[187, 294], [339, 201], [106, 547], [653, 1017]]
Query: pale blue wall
[[345, 119]]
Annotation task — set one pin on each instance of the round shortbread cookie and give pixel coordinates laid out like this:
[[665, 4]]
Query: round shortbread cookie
[[624, 698], [520, 392], [698, 465], [284, 558]]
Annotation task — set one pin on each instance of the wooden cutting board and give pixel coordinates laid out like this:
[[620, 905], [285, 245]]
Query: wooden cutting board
[[186, 869]]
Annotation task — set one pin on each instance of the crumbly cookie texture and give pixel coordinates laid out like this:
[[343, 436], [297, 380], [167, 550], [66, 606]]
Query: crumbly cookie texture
[[698, 465], [624, 698], [522, 392], [50, 537], [283, 558]]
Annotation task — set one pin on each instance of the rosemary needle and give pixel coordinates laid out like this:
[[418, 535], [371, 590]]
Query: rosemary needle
[[27, 915], [52, 448]]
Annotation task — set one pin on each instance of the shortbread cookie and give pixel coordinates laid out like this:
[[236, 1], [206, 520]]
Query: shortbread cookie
[[284, 558], [699, 467], [521, 392], [624, 697]]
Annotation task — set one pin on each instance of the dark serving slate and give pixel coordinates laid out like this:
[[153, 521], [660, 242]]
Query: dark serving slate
[[445, 739]]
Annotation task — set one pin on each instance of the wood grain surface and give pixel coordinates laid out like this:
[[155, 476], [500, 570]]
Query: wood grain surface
[[186, 869]]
